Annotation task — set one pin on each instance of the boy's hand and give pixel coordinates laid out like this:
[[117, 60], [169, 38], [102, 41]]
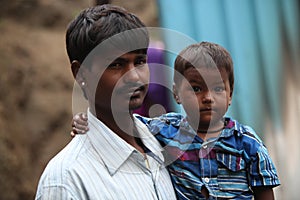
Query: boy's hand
[[79, 124], [263, 193], [205, 192]]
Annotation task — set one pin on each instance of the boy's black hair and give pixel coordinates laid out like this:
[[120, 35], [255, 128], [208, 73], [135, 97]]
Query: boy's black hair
[[204, 54], [96, 24]]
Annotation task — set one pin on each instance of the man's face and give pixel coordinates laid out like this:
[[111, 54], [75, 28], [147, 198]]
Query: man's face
[[123, 84]]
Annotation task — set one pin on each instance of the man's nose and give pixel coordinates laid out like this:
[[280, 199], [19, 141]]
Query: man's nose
[[131, 74]]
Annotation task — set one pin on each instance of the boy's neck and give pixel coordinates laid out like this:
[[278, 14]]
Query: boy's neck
[[206, 136], [212, 131]]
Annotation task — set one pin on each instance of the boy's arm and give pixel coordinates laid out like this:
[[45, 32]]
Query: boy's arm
[[80, 123], [263, 175], [263, 193]]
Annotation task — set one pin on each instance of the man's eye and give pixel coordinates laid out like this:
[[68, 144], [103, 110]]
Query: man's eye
[[140, 62], [115, 65]]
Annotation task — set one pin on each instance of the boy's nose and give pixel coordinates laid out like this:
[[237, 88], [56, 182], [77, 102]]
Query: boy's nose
[[207, 97]]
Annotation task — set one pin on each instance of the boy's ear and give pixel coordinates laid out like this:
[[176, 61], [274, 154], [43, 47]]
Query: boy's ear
[[175, 94], [230, 98]]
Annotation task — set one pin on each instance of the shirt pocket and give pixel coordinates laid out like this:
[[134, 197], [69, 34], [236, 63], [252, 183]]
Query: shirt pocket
[[232, 174]]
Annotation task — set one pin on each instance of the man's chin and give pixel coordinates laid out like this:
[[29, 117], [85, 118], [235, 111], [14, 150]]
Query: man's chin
[[135, 104]]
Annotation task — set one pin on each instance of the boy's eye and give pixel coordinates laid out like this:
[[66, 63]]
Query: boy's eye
[[196, 89], [219, 89]]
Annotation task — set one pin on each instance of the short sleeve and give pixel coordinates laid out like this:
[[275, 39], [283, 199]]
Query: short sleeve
[[153, 124], [262, 170], [166, 124]]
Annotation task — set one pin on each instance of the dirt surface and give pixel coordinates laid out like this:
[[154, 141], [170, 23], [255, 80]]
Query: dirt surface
[[36, 86]]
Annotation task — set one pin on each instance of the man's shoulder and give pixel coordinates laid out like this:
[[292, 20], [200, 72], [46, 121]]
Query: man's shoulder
[[73, 170], [64, 162]]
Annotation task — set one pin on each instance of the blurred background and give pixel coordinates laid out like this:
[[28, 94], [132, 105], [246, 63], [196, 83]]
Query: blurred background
[[36, 82]]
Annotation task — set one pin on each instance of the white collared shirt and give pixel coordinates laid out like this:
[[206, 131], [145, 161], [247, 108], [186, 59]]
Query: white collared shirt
[[100, 165]]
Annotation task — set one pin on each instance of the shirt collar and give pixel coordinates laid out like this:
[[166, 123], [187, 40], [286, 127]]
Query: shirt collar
[[231, 127], [113, 150], [149, 140]]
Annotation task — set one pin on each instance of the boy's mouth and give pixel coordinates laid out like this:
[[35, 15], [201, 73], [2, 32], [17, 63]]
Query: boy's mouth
[[207, 109]]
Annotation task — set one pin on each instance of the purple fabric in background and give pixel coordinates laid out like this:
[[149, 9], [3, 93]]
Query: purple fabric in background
[[157, 101]]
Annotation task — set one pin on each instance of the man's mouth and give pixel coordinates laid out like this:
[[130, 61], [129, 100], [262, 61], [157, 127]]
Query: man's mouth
[[135, 92]]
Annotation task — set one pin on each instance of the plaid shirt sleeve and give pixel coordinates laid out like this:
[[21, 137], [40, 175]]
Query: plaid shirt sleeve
[[262, 171]]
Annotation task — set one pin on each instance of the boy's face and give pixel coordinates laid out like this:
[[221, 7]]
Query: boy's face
[[205, 95], [123, 84]]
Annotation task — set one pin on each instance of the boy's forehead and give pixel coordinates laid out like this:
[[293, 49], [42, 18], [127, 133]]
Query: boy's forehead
[[200, 59], [206, 74]]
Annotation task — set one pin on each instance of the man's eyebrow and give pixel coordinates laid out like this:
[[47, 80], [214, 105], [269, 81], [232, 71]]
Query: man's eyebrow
[[118, 59], [142, 55]]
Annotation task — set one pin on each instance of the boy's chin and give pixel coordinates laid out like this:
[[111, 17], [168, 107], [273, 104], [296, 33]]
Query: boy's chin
[[205, 124]]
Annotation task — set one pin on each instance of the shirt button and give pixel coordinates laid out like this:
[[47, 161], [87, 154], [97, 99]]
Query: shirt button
[[206, 180]]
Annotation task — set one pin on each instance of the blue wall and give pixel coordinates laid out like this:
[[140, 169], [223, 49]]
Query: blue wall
[[260, 35]]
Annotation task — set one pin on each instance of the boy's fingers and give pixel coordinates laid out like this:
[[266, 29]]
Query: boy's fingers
[[72, 134], [84, 116], [78, 120], [76, 130], [80, 127], [79, 124]]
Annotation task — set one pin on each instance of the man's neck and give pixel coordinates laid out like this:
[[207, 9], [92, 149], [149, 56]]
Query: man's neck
[[122, 125]]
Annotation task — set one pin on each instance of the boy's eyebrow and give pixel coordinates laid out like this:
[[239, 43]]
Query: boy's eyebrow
[[220, 82], [195, 80], [199, 81]]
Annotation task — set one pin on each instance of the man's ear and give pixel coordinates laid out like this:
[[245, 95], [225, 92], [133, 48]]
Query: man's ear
[[75, 66], [77, 73], [175, 94], [79, 76]]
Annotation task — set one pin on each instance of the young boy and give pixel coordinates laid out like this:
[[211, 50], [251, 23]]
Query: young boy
[[210, 155]]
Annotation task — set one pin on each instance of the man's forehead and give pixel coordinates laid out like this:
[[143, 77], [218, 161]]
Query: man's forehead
[[113, 55]]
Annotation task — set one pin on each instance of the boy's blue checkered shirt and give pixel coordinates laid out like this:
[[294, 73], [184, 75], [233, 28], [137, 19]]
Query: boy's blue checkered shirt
[[229, 166]]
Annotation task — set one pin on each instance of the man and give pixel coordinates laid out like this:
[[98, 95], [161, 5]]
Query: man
[[119, 158]]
